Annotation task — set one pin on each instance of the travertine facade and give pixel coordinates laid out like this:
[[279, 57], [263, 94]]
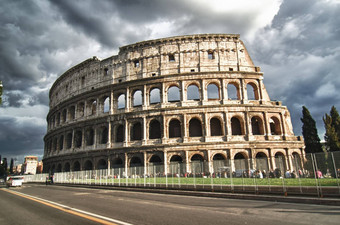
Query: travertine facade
[[178, 99]]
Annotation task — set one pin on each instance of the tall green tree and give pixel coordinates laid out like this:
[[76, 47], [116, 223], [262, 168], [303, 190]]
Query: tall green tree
[[310, 133], [11, 166], [0, 92], [332, 127]]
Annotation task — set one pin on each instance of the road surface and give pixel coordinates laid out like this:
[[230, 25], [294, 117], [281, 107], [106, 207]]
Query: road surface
[[119, 207]]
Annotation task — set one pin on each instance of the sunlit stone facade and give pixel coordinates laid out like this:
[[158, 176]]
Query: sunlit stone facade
[[184, 99]]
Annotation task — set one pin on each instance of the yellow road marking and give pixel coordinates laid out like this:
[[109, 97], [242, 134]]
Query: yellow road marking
[[68, 210]]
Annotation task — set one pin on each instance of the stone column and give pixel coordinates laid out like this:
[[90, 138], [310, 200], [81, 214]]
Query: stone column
[[165, 162], [244, 95], [109, 131], [187, 163], [145, 100], [260, 89], [144, 131], [127, 100], [266, 124], [184, 127], [126, 163], [145, 163], [126, 130]]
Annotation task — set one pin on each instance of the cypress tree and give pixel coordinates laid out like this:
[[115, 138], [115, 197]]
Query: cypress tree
[[11, 166], [310, 133], [332, 127]]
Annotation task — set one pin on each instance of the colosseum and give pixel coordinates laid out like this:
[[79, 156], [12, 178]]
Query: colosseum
[[183, 99]]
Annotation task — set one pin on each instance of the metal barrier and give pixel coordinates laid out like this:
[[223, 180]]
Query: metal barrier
[[315, 175]]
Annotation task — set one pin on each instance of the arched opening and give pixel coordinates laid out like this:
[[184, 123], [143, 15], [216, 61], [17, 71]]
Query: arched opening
[[67, 167], [93, 108], [197, 165], [88, 165], [117, 163], [220, 165], [233, 92], [136, 133], [195, 128], [252, 91], [155, 129], [78, 138], [175, 128], [61, 142], [174, 94], [58, 119], [274, 126], [135, 162], [101, 165], [215, 127], [69, 140], [193, 93], [121, 101], [241, 165], [64, 115], [80, 109], [213, 92], [156, 165], [256, 126], [155, 96], [280, 162], [72, 112], [262, 162], [106, 107], [176, 158], [76, 166], [296, 160], [104, 135], [89, 137], [120, 133], [138, 98], [236, 128], [58, 168]]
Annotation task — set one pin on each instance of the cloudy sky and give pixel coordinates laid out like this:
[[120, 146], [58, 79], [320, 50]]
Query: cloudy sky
[[296, 44]]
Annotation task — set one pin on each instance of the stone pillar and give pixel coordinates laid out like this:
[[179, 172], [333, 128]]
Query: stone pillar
[[111, 102], [145, 163], [289, 160], [109, 135], [127, 100], [126, 130], [144, 131], [187, 163], [165, 162], [163, 94], [244, 96], [284, 133], [126, 164], [184, 127], [224, 91], [247, 124], [266, 124], [145, 105], [260, 89], [205, 126], [183, 92], [95, 133]]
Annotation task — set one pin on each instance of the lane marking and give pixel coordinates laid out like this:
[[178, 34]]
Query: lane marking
[[87, 215]]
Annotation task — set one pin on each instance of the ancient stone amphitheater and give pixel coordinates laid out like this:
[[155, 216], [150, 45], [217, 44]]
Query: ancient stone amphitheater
[[184, 99]]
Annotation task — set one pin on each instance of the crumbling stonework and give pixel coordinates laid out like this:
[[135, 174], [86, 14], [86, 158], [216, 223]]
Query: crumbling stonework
[[177, 99]]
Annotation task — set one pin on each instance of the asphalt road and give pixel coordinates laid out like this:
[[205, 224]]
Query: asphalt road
[[147, 208]]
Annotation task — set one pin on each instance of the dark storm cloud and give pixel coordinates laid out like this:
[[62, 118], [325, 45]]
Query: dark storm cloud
[[300, 56]]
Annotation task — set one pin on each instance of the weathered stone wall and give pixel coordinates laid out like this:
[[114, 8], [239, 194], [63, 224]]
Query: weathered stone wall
[[186, 95]]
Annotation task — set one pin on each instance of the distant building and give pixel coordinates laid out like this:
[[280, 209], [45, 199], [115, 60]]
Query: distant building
[[30, 165], [17, 169], [40, 167]]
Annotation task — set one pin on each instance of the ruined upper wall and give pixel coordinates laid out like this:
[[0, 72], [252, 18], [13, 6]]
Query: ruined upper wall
[[160, 57]]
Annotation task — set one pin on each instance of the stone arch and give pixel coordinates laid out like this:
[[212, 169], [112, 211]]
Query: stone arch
[[257, 125], [58, 170], [80, 109], [137, 98], [215, 127], [236, 126], [67, 167], [106, 104], [88, 165], [69, 140], [195, 128], [101, 164], [213, 91], [104, 135], [252, 91], [121, 101], [64, 115], [120, 133], [280, 162], [233, 90], [262, 161], [92, 107], [135, 161], [71, 113], [155, 95], [76, 166], [175, 129], [197, 164], [193, 92], [78, 138], [176, 158], [89, 134], [174, 94], [220, 163], [136, 131], [117, 163], [275, 128], [61, 142], [241, 164], [155, 129]]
